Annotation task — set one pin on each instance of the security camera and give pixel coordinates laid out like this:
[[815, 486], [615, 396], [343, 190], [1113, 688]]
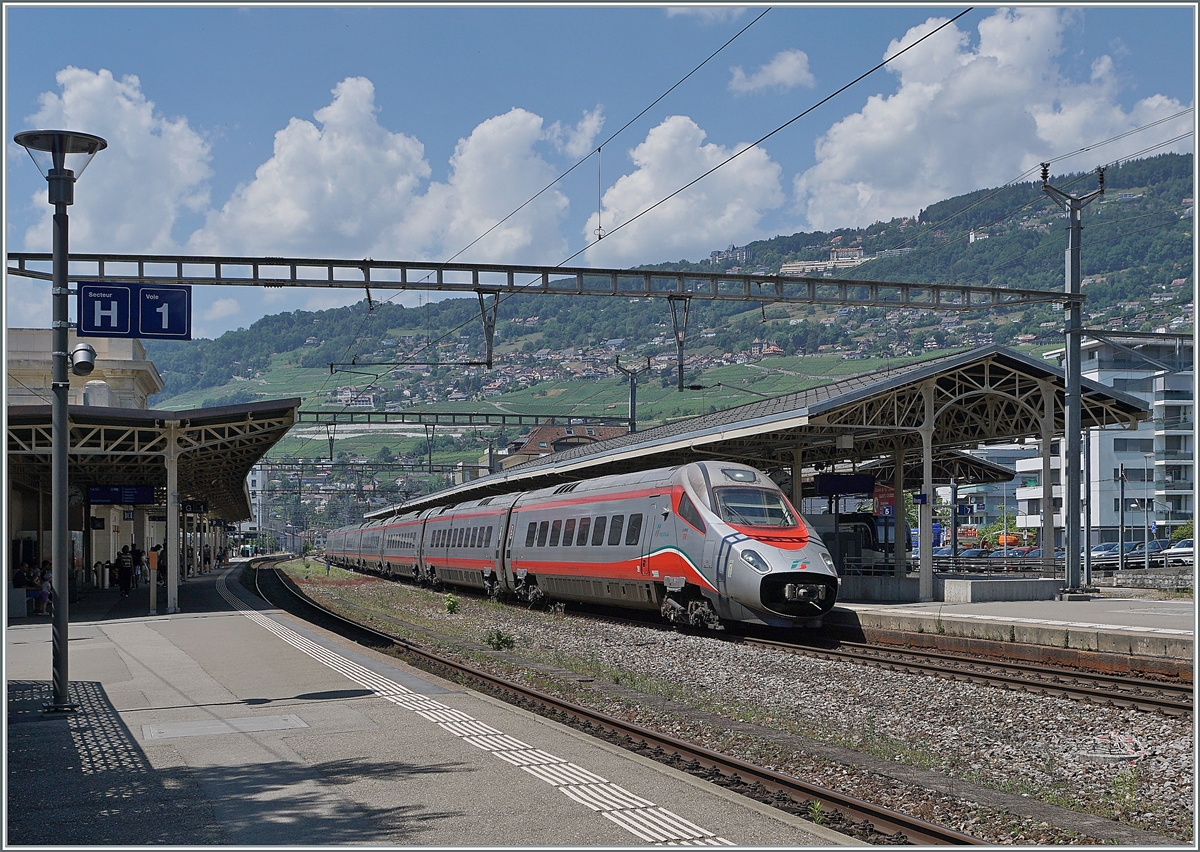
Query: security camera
[[83, 359]]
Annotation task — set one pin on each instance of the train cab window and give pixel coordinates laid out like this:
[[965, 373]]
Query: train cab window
[[487, 537], [614, 530], [687, 511], [585, 525], [531, 534], [569, 532], [634, 532], [598, 531], [543, 530], [555, 532], [753, 507]]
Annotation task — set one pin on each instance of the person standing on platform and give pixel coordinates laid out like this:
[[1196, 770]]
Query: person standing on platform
[[124, 570], [137, 556]]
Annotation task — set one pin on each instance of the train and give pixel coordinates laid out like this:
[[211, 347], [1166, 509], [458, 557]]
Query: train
[[705, 543]]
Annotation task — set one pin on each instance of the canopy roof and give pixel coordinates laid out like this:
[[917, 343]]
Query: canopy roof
[[983, 396], [127, 446]]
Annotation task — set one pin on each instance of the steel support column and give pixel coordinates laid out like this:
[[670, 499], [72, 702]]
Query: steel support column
[[926, 509]]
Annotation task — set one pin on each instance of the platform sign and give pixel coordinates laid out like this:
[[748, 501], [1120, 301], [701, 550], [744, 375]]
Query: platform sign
[[165, 312], [153, 312], [106, 310]]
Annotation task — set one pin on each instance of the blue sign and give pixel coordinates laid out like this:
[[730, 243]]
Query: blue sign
[[106, 310], [121, 495], [158, 312]]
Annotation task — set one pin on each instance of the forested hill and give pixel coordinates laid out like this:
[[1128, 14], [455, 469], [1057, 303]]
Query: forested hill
[[1137, 243]]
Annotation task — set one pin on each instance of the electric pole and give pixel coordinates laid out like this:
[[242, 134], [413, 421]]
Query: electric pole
[[1073, 408], [632, 374]]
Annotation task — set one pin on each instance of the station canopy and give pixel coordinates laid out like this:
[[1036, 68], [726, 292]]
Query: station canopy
[[983, 396], [216, 447]]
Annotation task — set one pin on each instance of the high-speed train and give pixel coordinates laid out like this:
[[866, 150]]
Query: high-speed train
[[704, 543]]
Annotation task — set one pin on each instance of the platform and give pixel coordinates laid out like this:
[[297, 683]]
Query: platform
[[1108, 624], [232, 723]]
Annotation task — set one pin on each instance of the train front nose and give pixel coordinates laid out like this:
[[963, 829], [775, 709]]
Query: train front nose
[[787, 583]]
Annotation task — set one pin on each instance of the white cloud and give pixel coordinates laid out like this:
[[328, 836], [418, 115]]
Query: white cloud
[[786, 70], [493, 171], [578, 140], [163, 160], [220, 309], [966, 118], [328, 191], [724, 207], [707, 14]]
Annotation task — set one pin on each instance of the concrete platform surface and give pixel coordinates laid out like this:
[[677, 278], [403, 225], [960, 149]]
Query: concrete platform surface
[[230, 723], [1160, 628]]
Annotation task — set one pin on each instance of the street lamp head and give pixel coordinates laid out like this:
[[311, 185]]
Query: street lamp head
[[61, 156]]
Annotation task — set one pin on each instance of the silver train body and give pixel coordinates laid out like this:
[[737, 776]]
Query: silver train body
[[703, 543]]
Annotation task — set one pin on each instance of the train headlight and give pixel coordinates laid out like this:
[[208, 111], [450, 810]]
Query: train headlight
[[755, 561], [828, 560]]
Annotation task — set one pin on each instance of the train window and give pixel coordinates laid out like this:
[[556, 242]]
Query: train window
[[753, 507], [634, 533], [585, 524], [458, 539], [435, 538], [543, 530], [474, 534], [487, 538], [598, 531], [614, 530], [688, 512], [531, 534], [569, 532], [555, 532]]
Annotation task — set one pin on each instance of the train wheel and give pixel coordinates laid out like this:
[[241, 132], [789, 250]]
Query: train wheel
[[701, 614]]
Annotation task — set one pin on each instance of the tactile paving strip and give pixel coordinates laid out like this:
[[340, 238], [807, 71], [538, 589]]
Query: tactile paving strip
[[640, 817]]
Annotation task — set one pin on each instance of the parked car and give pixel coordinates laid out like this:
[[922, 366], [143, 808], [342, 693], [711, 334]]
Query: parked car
[[1154, 545], [1110, 555], [972, 552], [1102, 549], [1036, 553], [1182, 552]]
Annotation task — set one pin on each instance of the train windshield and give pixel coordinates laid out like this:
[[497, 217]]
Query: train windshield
[[754, 507]]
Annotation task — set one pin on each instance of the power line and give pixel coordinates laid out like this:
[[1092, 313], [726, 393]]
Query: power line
[[781, 127]]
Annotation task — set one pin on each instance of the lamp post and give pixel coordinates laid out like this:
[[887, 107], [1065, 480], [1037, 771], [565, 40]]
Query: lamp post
[[51, 151]]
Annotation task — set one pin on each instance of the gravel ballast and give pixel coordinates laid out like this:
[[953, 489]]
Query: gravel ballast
[[1008, 767]]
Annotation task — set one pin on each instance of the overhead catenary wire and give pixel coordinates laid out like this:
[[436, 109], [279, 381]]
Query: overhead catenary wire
[[551, 184], [778, 129]]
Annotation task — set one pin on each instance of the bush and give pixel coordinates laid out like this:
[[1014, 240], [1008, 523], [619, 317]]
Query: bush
[[498, 640], [451, 604]]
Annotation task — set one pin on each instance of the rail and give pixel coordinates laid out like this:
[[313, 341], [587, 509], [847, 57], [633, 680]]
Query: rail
[[697, 759]]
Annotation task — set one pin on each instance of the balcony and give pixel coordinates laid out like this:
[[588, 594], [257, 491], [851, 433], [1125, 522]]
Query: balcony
[[1185, 485], [1174, 424]]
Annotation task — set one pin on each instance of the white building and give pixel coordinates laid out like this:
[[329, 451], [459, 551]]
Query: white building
[[1156, 460]]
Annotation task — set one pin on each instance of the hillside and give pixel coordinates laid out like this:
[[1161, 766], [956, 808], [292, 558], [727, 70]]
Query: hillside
[[1137, 265]]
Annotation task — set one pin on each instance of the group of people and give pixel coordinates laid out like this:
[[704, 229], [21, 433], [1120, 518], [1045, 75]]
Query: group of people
[[131, 568], [37, 585]]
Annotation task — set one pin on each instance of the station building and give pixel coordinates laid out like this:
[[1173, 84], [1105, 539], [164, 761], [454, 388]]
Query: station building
[[137, 476]]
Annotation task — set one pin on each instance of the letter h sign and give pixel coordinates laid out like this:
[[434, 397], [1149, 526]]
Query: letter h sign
[[161, 312]]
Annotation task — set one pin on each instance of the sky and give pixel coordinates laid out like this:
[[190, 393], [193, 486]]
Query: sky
[[407, 132]]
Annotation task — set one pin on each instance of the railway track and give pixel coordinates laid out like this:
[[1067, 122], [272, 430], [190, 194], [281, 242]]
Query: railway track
[[1112, 690], [853, 816]]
